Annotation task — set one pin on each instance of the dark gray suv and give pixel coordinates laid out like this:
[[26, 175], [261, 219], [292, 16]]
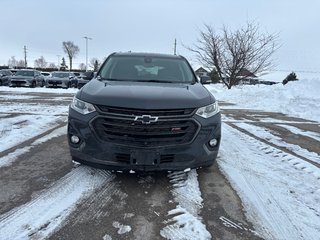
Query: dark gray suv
[[144, 112]]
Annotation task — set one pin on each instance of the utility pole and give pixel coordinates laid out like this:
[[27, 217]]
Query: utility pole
[[175, 47], [58, 61], [87, 38], [25, 56]]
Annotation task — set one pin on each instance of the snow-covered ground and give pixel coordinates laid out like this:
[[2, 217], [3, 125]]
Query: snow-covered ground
[[23, 120], [280, 191], [299, 98]]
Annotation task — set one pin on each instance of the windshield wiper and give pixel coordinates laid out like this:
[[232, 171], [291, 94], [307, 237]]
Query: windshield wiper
[[107, 79], [157, 81]]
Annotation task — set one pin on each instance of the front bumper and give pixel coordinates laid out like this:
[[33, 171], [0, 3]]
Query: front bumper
[[20, 83], [106, 154], [57, 83]]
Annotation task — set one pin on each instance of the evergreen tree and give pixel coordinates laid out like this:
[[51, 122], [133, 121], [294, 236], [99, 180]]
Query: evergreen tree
[[291, 77], [63, 65], [96, 66], [214, 76]]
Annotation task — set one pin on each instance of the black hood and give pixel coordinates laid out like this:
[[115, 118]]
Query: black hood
[[144, 95]]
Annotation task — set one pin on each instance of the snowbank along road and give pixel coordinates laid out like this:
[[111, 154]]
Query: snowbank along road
[[265, 184]]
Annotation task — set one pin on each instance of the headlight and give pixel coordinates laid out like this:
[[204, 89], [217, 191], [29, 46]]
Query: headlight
[[81, 106], [209, 110]]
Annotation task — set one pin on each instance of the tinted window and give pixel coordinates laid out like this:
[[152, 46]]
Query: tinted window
[[60, 74], [25, 73], [136, 68]]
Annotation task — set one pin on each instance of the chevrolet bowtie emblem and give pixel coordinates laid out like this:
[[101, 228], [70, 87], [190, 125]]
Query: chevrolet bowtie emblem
[[146, 119]]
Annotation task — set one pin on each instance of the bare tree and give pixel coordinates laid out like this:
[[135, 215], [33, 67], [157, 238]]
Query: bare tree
[[12, 62], [21, 64], [40, 63], [52, 65], [235, 55], [71, 50], [95, 64], [82, 66]]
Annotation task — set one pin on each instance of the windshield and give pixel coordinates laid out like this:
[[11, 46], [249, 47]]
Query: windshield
[[144, 68], [25, 73], [60, 74]]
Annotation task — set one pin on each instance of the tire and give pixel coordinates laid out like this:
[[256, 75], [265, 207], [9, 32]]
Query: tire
[[42, 83], [0, 82], [33, 84]]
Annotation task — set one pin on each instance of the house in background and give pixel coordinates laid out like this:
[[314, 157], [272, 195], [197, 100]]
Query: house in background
[[247, 77], [201, 72]]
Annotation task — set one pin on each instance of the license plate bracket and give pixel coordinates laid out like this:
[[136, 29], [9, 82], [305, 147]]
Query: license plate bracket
[[145, 158]]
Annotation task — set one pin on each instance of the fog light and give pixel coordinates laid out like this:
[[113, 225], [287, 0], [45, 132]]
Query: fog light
[[213, 142], [74, 139]]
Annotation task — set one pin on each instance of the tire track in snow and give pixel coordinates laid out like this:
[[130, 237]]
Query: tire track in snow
[[39, 218], [9, 158], [295, 130], [185, 222], [5, 130], [91, 218], [27, 128], [95, 207], [265, 135], [280, 197]]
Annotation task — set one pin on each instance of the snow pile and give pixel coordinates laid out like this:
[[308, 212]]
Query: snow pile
[[185, 222], [299, 98]]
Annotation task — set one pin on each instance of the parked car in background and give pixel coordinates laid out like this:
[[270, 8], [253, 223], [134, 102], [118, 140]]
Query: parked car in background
[[45, 74], [74, 81], [77, 74], [13, 71], [26, 78], [85, 77], [4, 77], [60, 79]]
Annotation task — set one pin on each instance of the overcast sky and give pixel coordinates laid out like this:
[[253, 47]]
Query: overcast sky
[[152, 26]]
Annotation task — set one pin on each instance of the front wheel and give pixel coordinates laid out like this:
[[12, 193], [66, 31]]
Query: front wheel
[[33, 84]]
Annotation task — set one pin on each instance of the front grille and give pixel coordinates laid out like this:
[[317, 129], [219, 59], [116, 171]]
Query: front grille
[[138, 112], [166, 158], [123, 157], [18, 81], [134, 133]]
